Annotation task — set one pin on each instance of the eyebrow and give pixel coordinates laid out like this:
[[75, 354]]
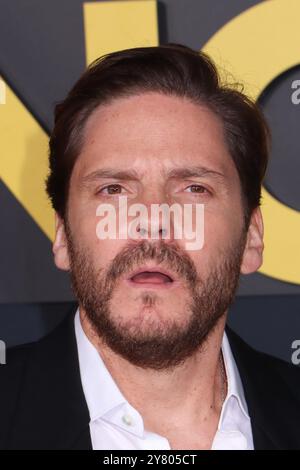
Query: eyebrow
[[125, 175], [133, 175], [195, 171]]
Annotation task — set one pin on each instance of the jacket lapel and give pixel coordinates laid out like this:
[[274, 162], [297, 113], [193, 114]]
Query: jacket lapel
[[272, 404]]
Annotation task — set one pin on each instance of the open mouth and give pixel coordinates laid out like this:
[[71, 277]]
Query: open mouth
[[151, 276]]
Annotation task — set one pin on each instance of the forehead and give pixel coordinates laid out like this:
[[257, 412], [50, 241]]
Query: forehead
[[153, 130]]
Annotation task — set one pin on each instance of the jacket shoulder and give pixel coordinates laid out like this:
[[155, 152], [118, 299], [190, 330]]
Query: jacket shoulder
[[262, 363], [271, 388], [11, 376]]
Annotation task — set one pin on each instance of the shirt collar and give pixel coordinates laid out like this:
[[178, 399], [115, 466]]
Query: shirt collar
[[101, 391], [234, 384]]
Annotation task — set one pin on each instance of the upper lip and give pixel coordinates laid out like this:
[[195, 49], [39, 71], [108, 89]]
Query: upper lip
[[156, 269]]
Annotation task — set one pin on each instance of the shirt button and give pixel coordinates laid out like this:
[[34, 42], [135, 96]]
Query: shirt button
[[127, 419]]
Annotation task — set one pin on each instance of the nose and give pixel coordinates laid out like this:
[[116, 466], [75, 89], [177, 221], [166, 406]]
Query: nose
[[156, 233], [155, 224]]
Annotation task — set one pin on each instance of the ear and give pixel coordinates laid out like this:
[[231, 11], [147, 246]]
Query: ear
[[60, 246], [253, 252]]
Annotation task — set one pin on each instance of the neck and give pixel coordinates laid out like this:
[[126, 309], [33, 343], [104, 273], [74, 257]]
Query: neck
[[189, 393]]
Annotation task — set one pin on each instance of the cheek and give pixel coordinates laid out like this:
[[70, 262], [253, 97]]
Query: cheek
[[104, 251], [84, 230], [221, 232]]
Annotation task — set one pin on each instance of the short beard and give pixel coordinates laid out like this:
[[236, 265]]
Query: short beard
[[157, 350]]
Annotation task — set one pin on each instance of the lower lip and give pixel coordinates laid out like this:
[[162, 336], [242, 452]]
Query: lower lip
[[152, 285]]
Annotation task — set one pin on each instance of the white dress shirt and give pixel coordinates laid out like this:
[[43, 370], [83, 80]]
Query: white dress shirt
[[115, 424]]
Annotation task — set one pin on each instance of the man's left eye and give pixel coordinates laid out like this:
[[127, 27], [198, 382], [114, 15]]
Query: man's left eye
[[198, 189]]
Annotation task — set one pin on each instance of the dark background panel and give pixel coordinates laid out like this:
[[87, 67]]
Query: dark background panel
[[193, 22], [27, 270], [283, 174], [42, 51]]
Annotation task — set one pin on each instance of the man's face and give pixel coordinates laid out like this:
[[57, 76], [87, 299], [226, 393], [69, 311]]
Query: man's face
[[154, 325]]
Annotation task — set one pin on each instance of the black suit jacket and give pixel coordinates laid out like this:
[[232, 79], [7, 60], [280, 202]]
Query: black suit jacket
[[42, 404]]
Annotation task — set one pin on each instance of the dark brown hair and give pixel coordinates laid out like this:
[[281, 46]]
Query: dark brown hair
[[172, 69]]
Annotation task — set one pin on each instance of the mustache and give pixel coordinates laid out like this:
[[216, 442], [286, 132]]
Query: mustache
[[171, 256]]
